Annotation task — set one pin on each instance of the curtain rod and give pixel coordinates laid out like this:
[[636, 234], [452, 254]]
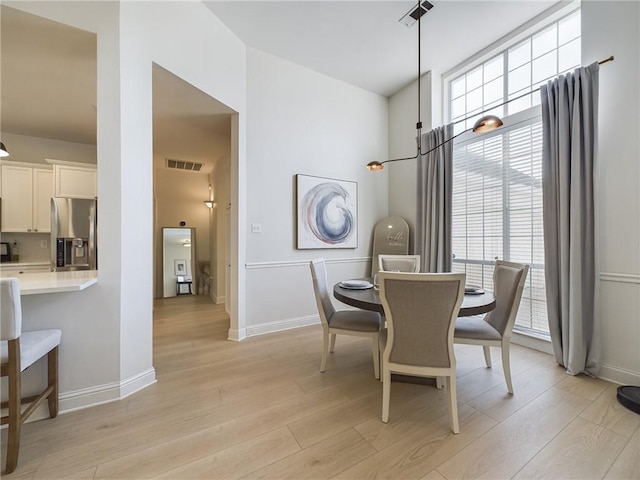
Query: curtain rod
[[609, 59]]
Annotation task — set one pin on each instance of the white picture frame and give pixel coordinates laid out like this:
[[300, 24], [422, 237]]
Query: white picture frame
[[180, 267]]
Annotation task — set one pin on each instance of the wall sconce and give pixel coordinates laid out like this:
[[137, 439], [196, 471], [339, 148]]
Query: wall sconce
[[210, 203]]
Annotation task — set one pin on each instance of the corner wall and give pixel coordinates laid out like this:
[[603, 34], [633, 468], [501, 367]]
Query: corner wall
[[106, 350], [613, 28], [403, 115]]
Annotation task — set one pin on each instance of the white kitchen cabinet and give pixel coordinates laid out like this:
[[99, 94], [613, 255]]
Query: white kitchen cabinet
[[26, 198], [75, 181]]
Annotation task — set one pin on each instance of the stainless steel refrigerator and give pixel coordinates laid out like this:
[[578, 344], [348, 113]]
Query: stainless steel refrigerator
[[74, 243]]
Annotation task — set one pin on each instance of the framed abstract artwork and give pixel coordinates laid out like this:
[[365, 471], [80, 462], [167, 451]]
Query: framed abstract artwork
[[327, 211]]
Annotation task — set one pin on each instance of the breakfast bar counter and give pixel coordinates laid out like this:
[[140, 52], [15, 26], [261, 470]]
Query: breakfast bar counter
[[55, 282]]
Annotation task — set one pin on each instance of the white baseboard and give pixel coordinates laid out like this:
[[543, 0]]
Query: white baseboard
[[137, 382], [90, 397], [619, 375], [237, 335], [218, 299], [98, 395], [532, 343], [280, 325]]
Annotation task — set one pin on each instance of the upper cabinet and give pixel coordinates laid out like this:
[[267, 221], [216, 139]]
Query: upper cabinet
[[75, 181], [26, 198]]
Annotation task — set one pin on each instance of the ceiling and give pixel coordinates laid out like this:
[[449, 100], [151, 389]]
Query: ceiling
[[364, 44], [48, 81]]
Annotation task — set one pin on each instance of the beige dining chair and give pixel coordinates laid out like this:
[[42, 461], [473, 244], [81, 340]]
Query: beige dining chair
[[399, 263], [18, 351], [494, 329], [421, 311], [361, 323]]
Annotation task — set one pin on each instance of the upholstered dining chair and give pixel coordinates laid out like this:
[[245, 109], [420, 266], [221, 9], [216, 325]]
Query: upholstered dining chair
[[18, 351], [494, 329], [421, 311], [399, 263], [342, 322]]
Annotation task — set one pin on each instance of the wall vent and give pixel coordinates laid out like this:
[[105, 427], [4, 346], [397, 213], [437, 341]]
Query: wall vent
[[183, 165]]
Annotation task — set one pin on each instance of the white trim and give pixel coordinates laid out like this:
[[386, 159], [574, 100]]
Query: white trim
[[303, 263], [136, 383], [218, 300], [110, 392], [53, 161], [619, 375], [281, 325], [620, 277], [534, 343], [237, 335], [511, 122], [12, 163]]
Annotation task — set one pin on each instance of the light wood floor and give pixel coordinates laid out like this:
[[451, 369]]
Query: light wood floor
[[261, 409]]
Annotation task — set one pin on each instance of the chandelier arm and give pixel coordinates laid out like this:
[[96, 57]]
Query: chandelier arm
[[428, 151]]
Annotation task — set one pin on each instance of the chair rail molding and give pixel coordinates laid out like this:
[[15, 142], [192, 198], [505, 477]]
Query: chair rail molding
[[620, 277], [303, 263]]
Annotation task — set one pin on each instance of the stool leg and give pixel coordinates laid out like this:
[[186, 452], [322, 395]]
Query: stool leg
[[13, 441], [52, 376]]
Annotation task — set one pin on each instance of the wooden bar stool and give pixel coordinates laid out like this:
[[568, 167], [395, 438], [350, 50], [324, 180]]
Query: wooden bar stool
[[18, 351]]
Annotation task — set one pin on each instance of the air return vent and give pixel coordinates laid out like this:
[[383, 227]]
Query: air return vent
[[415, 13], [183, 165]]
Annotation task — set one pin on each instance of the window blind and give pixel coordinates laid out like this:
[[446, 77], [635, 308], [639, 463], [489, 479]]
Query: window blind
[[497, 212]]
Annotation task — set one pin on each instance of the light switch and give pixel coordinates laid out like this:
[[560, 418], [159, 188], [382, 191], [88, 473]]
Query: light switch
[[256, 228]]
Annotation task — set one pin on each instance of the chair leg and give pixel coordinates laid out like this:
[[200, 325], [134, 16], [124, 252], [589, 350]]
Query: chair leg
[[453, 403], [506, 366], [333, 342], [386, 393], [52, 376], [325, 348], [375, 347], [14, 420], [487, 355], [439, 383]]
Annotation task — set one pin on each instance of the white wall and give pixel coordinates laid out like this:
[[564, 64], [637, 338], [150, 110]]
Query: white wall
[[613, 28], [25, 148], [403, 115], [301, 122]]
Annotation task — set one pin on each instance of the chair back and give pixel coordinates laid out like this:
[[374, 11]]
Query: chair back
[[399, 263], [508, 283], [323, 300], [10, 309], [421, 310]]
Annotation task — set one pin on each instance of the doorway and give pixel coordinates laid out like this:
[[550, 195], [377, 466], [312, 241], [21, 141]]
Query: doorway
[[191, 156]]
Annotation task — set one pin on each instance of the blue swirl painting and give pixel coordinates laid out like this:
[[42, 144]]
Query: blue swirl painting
[[327, 213]]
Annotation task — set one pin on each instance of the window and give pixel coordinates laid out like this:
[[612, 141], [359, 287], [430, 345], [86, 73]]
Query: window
[[497, 189]]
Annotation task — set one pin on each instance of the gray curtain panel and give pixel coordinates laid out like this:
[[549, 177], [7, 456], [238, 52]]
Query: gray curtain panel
[[570, 131], [433, 223]]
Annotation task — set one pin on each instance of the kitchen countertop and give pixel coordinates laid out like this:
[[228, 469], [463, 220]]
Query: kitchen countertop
[[56, 282]]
